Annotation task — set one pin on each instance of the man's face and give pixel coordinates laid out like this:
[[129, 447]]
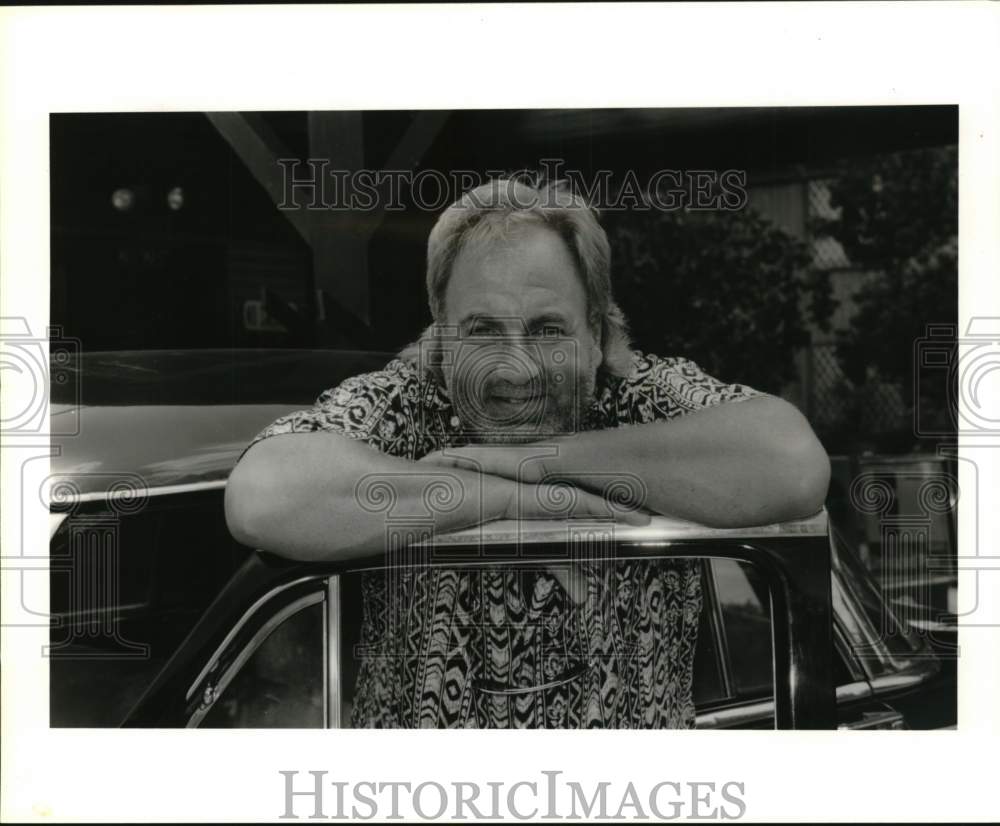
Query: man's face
[[524, 360]]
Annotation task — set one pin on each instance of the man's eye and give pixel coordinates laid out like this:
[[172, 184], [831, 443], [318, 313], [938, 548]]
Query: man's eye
[[550, 330]]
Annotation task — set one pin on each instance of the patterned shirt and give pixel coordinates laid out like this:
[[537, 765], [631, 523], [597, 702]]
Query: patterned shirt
[[437, 643]]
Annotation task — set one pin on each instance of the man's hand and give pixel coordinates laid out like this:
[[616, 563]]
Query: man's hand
[[538, 494], [534, 499], [732, 465], [563, 501], [521, 463]]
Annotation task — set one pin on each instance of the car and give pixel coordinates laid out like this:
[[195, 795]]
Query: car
[[161, 619], [899, 513]]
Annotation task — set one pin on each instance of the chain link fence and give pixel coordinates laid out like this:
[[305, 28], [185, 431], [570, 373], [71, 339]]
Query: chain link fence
[[840, 408], [827, 253], [836, 405]]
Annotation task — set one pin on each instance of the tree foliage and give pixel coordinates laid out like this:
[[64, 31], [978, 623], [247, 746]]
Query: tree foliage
[[898, 219], [730, 290]]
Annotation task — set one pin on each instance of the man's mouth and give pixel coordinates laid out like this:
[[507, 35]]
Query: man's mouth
[[514, 397]]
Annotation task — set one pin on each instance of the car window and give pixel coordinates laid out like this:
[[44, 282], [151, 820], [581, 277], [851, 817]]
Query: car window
[[279, 680], [880, 639], [745, 616], [745, 610], [281, 684], [709, 681]]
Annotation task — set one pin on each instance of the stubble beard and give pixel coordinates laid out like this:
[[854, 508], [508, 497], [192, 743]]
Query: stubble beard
[[564, 414]]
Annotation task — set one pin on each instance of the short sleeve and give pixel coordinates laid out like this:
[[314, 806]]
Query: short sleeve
[[664, 388], [376, 408]]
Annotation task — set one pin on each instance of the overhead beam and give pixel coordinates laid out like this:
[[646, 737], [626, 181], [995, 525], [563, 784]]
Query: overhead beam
[[417, 139], [338, 236], [255, 143]]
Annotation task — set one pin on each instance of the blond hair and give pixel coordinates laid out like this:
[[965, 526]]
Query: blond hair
[[493, 212]]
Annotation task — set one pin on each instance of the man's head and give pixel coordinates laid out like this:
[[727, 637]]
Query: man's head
[[518, 278]]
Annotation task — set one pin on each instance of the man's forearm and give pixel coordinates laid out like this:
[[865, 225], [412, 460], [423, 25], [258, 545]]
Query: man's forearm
[[736, 464], [315, 496]]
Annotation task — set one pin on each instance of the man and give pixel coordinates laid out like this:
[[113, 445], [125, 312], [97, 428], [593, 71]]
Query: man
[[525, 381]]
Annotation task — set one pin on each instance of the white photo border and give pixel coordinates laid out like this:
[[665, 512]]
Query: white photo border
[[265, 58]]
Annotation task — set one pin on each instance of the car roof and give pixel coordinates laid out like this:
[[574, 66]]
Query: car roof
[[659, 529], [163, 419], [201, 377]]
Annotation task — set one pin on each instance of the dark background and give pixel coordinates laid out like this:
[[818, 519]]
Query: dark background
[[153, 277], [820, 290]]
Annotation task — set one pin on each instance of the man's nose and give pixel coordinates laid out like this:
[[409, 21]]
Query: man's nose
[[520, 362]]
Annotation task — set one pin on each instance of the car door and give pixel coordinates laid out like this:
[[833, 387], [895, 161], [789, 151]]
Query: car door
[[126, 587], [277, 647], [279, 676], [734, 666], [872, 655]]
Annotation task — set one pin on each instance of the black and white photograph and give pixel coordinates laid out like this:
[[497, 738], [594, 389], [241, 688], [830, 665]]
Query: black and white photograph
[[611, 422], [491, 419]]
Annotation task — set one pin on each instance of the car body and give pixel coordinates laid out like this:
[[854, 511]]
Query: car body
[[161, 619]]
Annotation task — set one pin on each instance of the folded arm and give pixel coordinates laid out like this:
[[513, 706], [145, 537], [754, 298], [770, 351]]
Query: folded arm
[[735, 464], [322, 495]]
